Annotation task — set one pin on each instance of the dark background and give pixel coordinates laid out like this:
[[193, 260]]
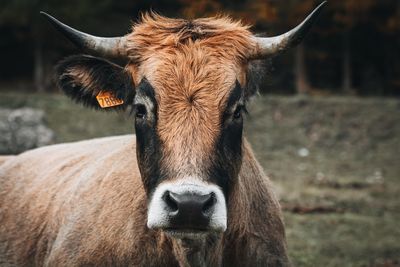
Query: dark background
[[353, 49]]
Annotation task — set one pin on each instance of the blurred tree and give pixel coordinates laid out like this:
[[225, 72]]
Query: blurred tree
[[384, 19], [348, 14], [356, 43], [294, 12], [21, 14], [260, 13], [90, 13]]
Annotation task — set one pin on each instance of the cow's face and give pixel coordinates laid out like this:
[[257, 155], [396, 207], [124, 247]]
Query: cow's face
[[188, 124], [188, 82], [189, 101], [189, 150], [189, 153]]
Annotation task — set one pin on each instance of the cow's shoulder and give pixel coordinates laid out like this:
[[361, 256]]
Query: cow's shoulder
[[77, 162], [71, 197]]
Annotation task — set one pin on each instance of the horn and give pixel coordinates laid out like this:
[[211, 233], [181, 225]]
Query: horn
[[108, 47], [271, 46]]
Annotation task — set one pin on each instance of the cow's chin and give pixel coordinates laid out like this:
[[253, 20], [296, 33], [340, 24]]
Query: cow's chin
[[193, 234]]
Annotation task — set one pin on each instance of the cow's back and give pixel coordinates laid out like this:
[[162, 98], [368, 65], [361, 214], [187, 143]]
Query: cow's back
[[3, 159], [56, 199]]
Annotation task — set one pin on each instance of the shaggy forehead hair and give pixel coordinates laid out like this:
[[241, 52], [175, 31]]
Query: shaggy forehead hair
[[193, 65], [227, 38]]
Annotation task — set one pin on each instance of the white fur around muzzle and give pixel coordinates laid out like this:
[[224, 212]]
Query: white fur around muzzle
[[158, 218]]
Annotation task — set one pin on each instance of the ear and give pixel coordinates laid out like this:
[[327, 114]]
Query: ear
[[83, 77]]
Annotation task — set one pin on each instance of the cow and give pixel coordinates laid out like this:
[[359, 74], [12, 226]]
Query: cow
[[186, 189]]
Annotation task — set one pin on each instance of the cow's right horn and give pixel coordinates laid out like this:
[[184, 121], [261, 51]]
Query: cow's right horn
[[271, 46], [109, 47]]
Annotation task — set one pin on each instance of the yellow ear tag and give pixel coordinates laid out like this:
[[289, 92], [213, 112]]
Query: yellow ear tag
[[107, 99]]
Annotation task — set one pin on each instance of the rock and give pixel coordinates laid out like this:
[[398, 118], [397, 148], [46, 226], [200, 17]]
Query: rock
[[23, 129], [303, 152]]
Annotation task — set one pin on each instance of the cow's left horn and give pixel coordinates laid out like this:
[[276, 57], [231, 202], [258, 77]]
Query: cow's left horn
[[109, 47], [270, 46]]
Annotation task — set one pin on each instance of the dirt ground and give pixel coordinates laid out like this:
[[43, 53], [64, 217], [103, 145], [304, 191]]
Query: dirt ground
[[334, 162]]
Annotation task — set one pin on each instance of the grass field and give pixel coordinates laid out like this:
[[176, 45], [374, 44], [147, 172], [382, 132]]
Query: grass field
[[334, 161]]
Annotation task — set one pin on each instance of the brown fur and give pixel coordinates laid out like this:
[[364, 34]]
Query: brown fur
[[5, 158], [193, 66], [83, 204]]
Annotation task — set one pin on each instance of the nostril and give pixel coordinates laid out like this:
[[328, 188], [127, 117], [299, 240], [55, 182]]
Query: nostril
[[170, 201], [209, 203]]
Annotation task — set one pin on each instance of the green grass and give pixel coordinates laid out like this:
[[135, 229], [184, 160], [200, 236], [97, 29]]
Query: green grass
[[353, 168], [71, 121]]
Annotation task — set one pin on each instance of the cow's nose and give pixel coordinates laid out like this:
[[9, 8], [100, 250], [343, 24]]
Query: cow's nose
[[189, 210]]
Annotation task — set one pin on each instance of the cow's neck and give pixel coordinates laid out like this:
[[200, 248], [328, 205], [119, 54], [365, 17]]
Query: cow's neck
[[197, 253]]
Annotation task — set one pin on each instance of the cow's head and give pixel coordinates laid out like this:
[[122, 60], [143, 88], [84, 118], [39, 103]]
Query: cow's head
[[188, 82]]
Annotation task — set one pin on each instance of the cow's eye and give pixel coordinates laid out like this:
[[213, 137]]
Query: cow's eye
[[237, 114], [140, 111]]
